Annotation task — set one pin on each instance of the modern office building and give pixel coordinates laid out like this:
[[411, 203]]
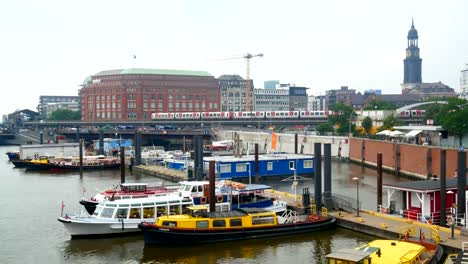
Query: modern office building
[[134, 94], [298, 98], [271, 84], [72, 106], [233, 93], [45, 100], [464, 83], [271, 99]]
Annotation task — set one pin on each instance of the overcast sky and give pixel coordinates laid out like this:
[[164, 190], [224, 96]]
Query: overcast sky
[[49, 47]]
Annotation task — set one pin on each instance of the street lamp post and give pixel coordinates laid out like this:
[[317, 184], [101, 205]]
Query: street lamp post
[[250, 174], [350, 116], [357, 195]]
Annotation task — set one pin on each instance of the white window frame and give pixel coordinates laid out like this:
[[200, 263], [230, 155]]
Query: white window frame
[[241, 167], [308, 164], [224, 168], [270, 166], [291, 162]]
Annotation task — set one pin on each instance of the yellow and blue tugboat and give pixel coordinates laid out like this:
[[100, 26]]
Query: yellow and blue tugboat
[[199, 226]]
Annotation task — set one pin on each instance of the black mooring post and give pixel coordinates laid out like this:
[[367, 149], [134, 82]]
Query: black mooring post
[[200, 157], [461, 180], [443, 186], [122, 164], [101, 142], [379, 180], [257, 176], [295, 143], [77, 135], [81, 158], [211, 177], [41, 137], [318, 176], [327, 192], [196, 160], [137, 148]]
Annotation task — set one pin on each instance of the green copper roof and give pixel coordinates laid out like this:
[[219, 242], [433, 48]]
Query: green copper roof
[[154, 71]]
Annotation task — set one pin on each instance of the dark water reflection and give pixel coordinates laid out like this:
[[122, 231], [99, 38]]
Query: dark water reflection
[[30, 233], [306, 248]]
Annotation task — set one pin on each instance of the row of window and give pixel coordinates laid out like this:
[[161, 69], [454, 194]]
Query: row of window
[[221, 223], [138, 212], [242, 167], [152, 97]]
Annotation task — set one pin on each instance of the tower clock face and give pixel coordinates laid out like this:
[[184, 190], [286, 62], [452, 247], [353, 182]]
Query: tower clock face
[[408, 53]]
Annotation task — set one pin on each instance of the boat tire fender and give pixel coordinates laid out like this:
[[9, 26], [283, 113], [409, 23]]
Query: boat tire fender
[[203, 200], [219, 198]]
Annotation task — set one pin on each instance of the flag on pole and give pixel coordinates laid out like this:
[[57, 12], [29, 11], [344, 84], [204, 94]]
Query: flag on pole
[[273, 141]]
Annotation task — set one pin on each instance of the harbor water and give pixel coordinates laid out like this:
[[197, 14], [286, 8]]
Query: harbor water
[[31, 201]]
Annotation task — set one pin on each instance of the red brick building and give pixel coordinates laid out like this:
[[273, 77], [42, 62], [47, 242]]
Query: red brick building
[[134, 94]]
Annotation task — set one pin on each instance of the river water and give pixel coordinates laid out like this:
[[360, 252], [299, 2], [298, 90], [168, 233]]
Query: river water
[[30, 203]]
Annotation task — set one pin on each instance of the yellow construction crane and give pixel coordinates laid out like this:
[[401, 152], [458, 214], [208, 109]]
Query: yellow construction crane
[[247, 58]]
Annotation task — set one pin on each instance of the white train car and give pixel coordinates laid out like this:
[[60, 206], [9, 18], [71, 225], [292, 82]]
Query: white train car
[[162, 116], [281, 114], [216, 115], [248, 115], [187, 115], [312, 114]]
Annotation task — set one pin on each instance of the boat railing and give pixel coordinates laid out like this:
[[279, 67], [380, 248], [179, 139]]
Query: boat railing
[[406, 232], [383, 210]]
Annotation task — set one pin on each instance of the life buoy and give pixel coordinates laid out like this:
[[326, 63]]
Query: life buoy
[[219, 198], [203, 200], [450, 220]]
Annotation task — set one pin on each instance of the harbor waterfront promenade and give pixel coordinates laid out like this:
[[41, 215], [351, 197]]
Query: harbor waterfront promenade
[[31, 233], [391, 227]]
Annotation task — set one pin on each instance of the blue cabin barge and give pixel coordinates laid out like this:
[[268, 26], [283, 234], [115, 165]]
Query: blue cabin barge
[[282, 164]]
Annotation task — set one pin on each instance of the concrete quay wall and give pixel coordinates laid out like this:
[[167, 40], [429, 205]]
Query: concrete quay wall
[[285, 142], [408, 159]]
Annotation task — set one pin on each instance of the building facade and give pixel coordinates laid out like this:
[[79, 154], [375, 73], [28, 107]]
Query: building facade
[[412, 79], [72, 106], [343, 95], [271, 99], [464, 83], [45, 100], [298, 98], [272, 84], [134, 94], [233, 88]]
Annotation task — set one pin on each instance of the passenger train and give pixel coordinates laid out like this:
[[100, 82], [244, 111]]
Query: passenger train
[[240, 115], [412, 113]]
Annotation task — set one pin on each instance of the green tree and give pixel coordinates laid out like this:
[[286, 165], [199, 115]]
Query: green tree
[[389, 122], [367, 124], [380, 105], [454, 117], [65, 114], [340, 117], [325, 127]]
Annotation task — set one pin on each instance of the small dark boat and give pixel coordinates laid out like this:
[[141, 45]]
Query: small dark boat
[[13, 155], [199, 226]]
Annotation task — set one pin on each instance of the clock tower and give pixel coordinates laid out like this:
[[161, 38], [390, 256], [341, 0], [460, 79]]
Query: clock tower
[[412, 62]]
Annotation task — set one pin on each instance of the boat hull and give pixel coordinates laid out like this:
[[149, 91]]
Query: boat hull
[[83, 227], [154, 235]]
